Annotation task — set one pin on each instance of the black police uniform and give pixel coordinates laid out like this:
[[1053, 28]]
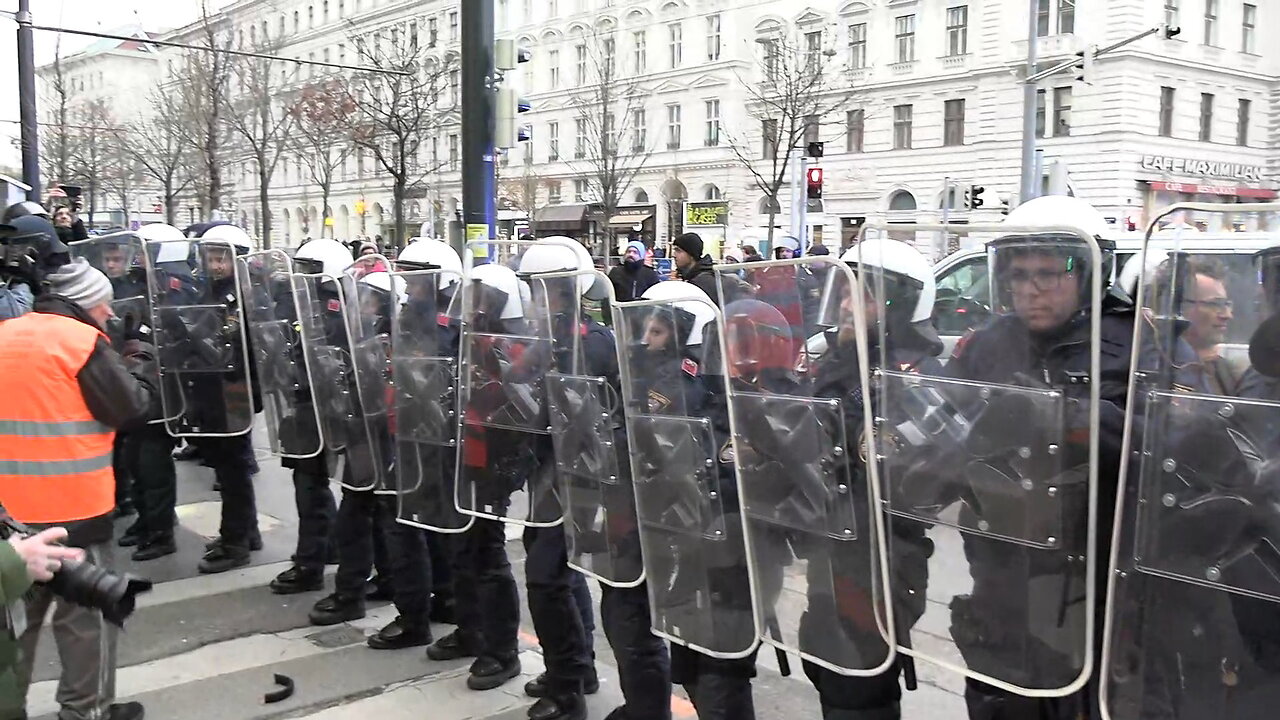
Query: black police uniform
[[836, 375]]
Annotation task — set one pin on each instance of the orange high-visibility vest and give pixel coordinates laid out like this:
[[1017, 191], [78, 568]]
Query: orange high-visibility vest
[[55, 458]]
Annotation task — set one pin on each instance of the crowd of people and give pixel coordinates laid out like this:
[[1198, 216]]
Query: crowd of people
[[709, 457]]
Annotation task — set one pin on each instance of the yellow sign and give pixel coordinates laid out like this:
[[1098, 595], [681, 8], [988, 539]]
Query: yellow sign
[[709, 213], [359, 206], [478, 234], [328, 222]]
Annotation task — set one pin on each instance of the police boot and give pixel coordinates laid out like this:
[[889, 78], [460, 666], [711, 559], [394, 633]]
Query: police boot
[[132, 535], [452, 646], [488, 672], [400, 634], [223, 558], [255, 542], [155, 546], [561, 707], [537, 687], [335, 609], [722, 697], [888, 712], [297, 580]]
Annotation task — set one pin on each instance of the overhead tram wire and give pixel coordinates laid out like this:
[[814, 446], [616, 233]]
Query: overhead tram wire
[[225, 51]]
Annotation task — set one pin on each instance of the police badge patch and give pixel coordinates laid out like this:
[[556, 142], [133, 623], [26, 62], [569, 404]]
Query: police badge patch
[[726, 452], [658, 402]]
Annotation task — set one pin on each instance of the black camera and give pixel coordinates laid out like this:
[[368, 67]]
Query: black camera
[[86, 584]]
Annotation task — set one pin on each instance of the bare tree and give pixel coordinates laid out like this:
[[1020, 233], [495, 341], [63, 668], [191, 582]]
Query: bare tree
[[611, 144], [201, 82], [55, 135], [520, 192], [94, 141], [155, 142], [797, 87], [260, 120], [320, 136], [412, 97]]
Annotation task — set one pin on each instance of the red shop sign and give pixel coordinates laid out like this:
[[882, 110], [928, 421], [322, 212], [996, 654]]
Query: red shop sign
[[1197, 189]]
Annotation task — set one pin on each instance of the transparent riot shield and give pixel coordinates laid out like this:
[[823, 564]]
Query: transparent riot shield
[[809, 510], [1193, 610], [293, 421], [587, 431], [123, 258], [323, 330], [505, 468], [371, 297], [989, 460], [424, 365], [688, 521], [199, 327]]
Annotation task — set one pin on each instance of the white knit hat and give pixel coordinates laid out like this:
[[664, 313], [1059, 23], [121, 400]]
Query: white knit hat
[[82, 284]]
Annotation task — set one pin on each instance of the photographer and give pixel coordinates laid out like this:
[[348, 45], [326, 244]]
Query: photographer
[[68, 393], [29, 248]]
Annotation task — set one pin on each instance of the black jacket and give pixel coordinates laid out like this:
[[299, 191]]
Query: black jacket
[[630, 284], [702, 276], [118, 390]]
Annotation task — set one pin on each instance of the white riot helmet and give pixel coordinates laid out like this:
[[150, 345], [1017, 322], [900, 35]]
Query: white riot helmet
[[1163, 242], [174, 246], [909, 285], [230, 234], [498, 288], [383, 282], [786, 242], [1053, 212], [561, 254], [323, 256], [160, 232], [426, 251], [689, 299]]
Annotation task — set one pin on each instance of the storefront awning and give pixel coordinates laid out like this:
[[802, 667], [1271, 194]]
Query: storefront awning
[[627, 218], [1213, 189], [572, 216]]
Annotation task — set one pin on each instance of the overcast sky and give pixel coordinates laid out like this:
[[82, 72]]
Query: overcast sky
[[101, 15]]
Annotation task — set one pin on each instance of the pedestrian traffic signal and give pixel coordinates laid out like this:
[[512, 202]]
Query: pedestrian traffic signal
[[974, 197], [814, 180], [1083, 69], [509, 106]]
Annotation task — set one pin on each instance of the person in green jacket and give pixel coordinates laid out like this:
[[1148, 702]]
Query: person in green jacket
[[23, 561]]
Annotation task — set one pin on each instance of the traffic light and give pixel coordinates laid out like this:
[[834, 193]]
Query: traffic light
[[1083, 69], [1170, 31], [973, 197], [507, 54], [509, 106], [813, 178], [814, 150]]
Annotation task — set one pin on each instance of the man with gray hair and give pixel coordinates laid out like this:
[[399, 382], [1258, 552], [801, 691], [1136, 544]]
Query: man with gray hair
[[67, 392]]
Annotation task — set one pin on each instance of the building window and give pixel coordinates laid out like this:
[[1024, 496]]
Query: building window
[[713, 124], [853, 131], [1248, 22], [905, 33], [553, 61], [1166, 112], [640, 52], [1042, 18], [673, 127], [453, 152], [455, 85], [297, 24], [1066, 16], [1171, 13], [413, 34], [1242, 121], [769, 138], [553, 193], [433, 32], [1041, 99], [580, 139], [1206, 117], [675, 37], [580, 189], [1061, 111], [713, 37], [311, 16], [553, 141], [857, 46], [772, 60], [901, 127], [610, 56], [813, 51], [953, 122], [958, 30], [610, 137], [324, 13], [1210, 22], [639, 131], [580, 52]]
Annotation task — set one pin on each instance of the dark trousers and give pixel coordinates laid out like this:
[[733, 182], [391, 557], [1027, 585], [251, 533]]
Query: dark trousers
[[644, 669], [719, 689], [233, 466], [486, 600], [317, 513], [586, 610], [410, 562], [360, 534], [857, 698], [147, 455], [440, 549], [990, 703], [120, 468], [555, 613]]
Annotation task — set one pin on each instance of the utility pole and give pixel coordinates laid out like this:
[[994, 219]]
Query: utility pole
[[478, 126], [947, 198], [1029, 91], [27, 101], [799, 198]]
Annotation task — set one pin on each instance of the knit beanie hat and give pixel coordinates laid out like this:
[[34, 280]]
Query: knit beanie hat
[[82, 284], [690, 243], [638, 247]]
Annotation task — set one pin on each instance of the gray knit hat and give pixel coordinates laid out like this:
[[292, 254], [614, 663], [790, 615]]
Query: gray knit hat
[[82, 284]]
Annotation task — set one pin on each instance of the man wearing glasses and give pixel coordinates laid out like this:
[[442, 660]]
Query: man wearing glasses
[[1207, 308]]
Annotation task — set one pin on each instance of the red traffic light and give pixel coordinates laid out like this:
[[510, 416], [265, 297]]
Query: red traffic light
[[814, 177]]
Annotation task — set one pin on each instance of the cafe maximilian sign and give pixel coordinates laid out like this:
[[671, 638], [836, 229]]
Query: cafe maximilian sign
[[1202, 168]]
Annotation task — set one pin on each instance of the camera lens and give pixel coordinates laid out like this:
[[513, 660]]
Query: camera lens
[[91, 586]]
